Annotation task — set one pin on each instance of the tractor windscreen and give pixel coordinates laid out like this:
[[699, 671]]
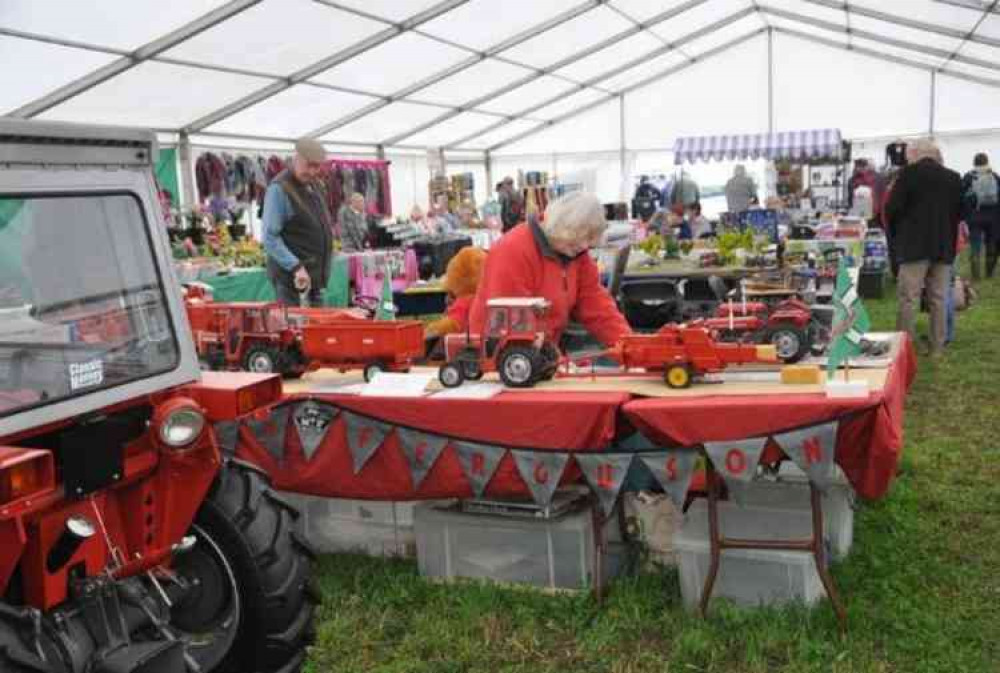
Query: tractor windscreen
[[82, 304]]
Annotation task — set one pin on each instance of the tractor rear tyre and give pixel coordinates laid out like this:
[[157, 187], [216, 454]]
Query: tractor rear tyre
[[519, 367], [791, 343], [251, 608], [451, 375], [678, 376], [263, 360]]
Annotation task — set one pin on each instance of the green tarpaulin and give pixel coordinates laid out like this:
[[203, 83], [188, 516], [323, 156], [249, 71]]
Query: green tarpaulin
[[166, 173], [255, 286]]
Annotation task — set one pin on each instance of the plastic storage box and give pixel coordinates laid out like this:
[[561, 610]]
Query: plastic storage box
[[553, 553], [791, 492], [338, 525], [747, 576]]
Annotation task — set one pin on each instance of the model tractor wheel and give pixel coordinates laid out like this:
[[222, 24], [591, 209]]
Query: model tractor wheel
[[550, 362], [472, 371], [262, 360], [250, 607], [678, 376], [519, 367], [450, 375], [790, 343], [372, 370]]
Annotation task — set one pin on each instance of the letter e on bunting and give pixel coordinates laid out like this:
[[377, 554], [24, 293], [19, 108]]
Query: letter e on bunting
[[479, 462], [736, 461], [271, 431], [812, 449], [605, 472], [541, 471], [673, 469], [312, 420], [421, 451], [364, 436]]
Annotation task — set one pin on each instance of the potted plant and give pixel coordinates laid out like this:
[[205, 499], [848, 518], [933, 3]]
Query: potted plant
[[196, 226]]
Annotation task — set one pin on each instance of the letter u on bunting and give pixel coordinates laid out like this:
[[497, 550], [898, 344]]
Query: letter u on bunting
[[421, 451], [271, 431], [736, 461], [312, 420], [813, 449], [541, 471], [364, 436], [479, 462], [605, 472], [673, 469]]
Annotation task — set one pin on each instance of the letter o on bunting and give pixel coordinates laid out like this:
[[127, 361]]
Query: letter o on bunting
[[736, 461]]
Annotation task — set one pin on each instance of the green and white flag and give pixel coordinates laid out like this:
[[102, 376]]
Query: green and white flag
[[850, 319], [386, 308]]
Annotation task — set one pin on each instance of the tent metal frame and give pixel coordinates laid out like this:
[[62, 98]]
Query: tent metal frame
[[155, 50]]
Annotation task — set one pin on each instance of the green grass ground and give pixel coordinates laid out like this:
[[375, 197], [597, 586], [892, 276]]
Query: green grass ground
[[922, 585]]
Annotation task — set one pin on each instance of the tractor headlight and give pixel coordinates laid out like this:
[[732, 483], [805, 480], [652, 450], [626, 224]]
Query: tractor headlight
[[181, 426]]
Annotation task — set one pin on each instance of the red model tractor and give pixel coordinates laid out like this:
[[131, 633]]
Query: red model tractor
[[787, 326], [128, 542], [515, 346], [682, 352], [265, 337]]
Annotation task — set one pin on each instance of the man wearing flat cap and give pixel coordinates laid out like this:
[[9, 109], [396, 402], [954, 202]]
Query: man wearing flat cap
[[298, 233]]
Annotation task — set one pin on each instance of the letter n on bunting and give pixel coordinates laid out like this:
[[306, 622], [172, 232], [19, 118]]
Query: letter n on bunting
[[605, 472], [812, 449], [541, 471], [479, 462]]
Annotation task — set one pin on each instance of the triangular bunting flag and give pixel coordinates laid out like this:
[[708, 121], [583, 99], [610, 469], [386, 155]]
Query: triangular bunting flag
[[312, 420], [736, 461], [421, 451], [226, 433], [364, 436], [479, 462], [605, 472], [812, 449], [673, 469], [541, 471], [271, 431]]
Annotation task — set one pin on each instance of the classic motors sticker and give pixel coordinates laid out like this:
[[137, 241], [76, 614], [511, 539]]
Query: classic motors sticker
[[86, 374]]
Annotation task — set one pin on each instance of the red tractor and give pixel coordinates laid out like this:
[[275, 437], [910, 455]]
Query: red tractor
[[788, 325], [683, 352], [265, 337], [515, 346], [128, 541]]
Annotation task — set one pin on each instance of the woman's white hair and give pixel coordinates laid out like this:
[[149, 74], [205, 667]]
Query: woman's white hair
[[923, 148], [575, 217]]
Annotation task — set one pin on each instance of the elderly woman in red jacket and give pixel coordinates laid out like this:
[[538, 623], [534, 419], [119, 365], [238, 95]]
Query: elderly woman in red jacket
[[549, 259]]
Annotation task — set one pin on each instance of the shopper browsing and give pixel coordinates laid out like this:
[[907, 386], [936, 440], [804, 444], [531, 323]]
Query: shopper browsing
[[298, 237], [740, 190], [981, 200], [353, 224]]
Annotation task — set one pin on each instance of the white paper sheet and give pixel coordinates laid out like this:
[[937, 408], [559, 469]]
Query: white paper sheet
[[389, 384], [470, 391]]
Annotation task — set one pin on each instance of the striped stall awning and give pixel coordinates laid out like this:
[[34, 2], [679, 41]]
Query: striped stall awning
[[813, 144]]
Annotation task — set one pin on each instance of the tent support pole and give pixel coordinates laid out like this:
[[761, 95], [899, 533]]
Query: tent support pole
[[770, 80], [621, 147], [931, 105], [488, 161], [189, 196]]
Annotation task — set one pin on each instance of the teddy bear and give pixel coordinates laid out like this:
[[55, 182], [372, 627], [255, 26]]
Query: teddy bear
[[461, 279]]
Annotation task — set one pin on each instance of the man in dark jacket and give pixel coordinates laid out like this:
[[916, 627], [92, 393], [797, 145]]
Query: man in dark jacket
[[923, 212], [298, 236], [981, 199]]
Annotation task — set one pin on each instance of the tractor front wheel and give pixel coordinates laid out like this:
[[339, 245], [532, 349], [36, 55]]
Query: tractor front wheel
[[372, 369], [450, 375], [519, 367], [262, 360], [250, 607], [791, 343], [678, 376]]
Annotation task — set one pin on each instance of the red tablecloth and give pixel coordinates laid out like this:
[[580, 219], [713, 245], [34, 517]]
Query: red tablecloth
[[869, 437], [536, 420]]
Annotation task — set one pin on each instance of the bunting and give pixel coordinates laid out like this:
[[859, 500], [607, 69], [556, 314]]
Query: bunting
[[673, 469], [812, 449], [541, 471], [605, 472], [737, 462], [312, 421], [271, 431], [479, 462], [364, 436], [421, 451]]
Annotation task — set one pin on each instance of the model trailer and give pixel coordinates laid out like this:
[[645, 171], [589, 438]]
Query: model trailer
[[128, 542]]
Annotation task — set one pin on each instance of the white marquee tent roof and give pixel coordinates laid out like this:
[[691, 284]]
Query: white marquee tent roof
[[516, 76]]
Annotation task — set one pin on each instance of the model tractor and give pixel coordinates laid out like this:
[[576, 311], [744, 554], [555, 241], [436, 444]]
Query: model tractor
[[515, 346], [128, 541], [787, 326], [683, 352]]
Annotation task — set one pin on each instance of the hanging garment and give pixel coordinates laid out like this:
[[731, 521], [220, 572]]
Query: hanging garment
[[210, 175]]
